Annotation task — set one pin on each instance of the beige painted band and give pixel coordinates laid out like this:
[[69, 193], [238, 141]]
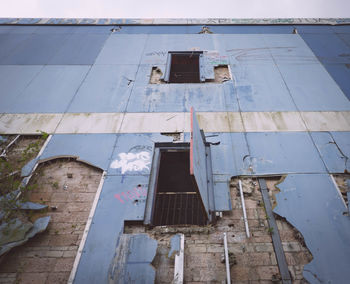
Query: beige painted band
[[33, 123]]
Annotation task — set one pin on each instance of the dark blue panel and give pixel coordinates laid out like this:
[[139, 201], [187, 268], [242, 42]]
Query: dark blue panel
[[82, 146], [13, 80], [79, 49], [24, 29], [37, 49], [345, 29], [105, 89], [345, 38], [9, 42], [116, 204], [314, 29], [283, 152], [153, 29], [313, 205], [329, 48], [341, 75], [5, 29], [51, 90], [92, 29], [54, 29]]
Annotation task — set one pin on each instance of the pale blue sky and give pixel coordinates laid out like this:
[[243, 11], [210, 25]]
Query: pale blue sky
[[175, 8]]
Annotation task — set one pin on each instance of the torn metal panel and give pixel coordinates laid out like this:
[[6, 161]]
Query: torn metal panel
[[175, 245], [39, 226], [283, 152], [93, 149], [122, 198], [112, 83], [132, 262], [320, 220], [334, 148]]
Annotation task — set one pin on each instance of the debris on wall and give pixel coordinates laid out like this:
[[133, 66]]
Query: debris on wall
[[222, 74], [156, 76], [64, 190]]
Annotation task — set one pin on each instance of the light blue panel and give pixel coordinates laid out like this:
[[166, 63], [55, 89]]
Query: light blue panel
[[334, 148], [105, 89], [260, 87], [9, 42], [94, 149], [312, 88], [116, 204], [228, 156], [13, 80], [222, 196], [158, 46], [79, 49], [51, 90], [283, 152], [330, 48], [37, 49], [313, 205], [122, 49], [246, 48], [180, 97], [341, 75]]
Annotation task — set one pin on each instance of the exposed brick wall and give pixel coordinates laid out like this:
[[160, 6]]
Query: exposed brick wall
[[48, 257]]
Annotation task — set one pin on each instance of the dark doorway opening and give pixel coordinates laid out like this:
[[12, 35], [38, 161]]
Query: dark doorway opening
[[176, 201], [185, 67]]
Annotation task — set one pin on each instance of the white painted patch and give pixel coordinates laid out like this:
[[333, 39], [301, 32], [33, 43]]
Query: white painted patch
[[132, 162]]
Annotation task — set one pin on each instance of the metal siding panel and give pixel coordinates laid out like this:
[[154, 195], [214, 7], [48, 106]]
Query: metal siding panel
[[9, 43], [122, 49], [257, 82], [222, 196], [83, 146], [105, 89], [79, 49], [341, 74], [329, 48], [111, 211], [51, 90], [180, 97], [198, 165], [314, 29], [325, 229], [312, 88], [13, 80], [333, 154], [283, 152], [342, 29], [37, 49]]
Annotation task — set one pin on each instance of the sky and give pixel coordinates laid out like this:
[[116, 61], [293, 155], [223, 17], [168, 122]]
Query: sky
[[175, 9]]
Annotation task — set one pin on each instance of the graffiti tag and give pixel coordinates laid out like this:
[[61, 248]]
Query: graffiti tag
[[136, 193], [132, 162]]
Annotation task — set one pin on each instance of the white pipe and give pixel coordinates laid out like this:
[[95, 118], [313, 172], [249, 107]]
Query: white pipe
[[227, 261], [244, 211]]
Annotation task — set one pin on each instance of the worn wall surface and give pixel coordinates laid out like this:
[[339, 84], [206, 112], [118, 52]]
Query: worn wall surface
[[284, 112]]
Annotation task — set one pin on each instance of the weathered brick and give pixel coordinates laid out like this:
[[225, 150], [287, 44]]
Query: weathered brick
[[70, 253], [39, 264], [54, 253], [63, 240], [254, 259], [291, 246], [267, 272], [240, 273], [264, 247], [33, 278], [64, 264], [58, 277]]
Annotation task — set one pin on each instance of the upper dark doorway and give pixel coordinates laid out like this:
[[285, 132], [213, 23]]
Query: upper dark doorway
[[184, 67]]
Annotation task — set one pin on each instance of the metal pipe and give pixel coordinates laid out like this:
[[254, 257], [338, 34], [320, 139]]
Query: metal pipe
[[227, 261], [243, 208]]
